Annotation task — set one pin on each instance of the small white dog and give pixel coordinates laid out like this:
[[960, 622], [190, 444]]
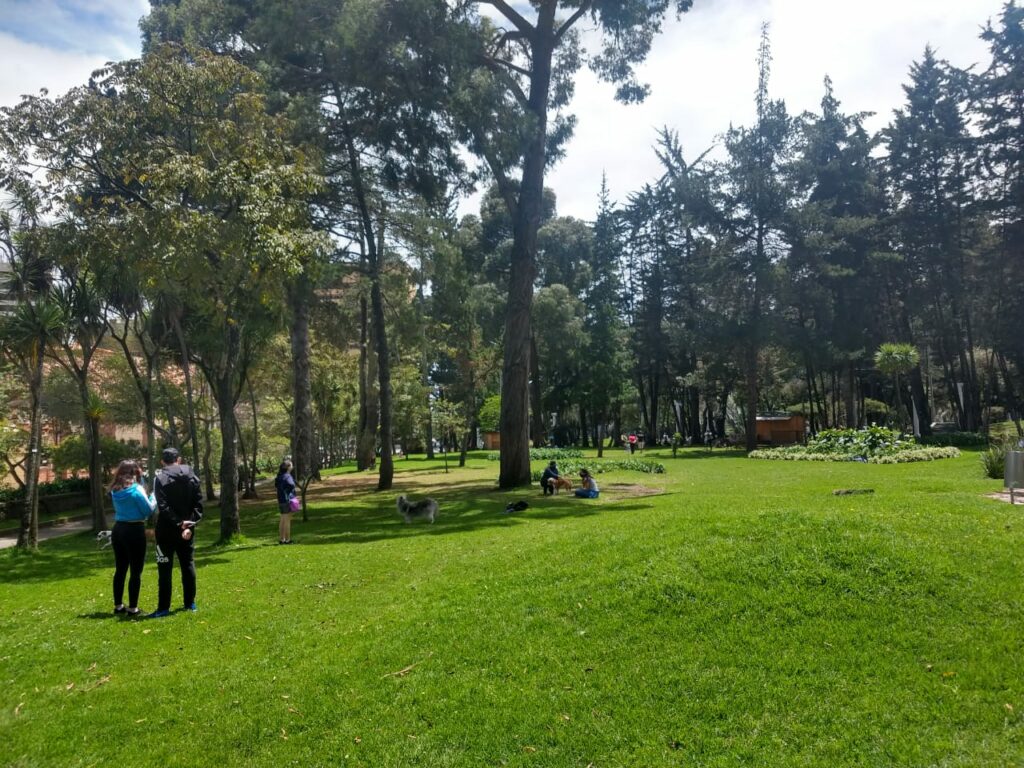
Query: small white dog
[[412, 510], [103, 540]]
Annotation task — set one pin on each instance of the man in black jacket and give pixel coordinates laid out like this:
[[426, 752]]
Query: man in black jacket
[[179, 505]]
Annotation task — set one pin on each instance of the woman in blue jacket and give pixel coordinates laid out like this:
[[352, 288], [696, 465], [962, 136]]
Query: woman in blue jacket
[[132, 507], [285, 485]]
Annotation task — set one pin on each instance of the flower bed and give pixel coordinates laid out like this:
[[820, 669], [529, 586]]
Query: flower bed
[[873, 445]]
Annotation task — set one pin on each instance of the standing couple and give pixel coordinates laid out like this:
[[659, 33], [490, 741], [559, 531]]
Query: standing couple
[[178, 502]]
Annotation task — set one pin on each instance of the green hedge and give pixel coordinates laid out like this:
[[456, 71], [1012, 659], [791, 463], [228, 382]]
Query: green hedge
[[17, 495], [545, 454], [573, 467], [956, 439]]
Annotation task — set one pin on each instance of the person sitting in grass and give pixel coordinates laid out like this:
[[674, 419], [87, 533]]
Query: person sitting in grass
[[589, 489], [550, 473]]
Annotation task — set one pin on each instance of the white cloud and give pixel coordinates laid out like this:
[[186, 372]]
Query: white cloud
[[26, 68]]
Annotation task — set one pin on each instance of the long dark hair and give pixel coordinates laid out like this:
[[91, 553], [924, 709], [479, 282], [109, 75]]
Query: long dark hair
[[286, 466], [128, 472]]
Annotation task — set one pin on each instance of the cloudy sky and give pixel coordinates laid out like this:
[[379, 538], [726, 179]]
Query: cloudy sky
[[702, 69]]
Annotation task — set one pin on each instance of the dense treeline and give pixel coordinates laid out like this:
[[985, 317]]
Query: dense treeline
[[254, 227]]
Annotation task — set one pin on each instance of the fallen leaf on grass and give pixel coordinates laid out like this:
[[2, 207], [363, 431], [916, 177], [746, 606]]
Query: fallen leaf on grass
[[247, 637], [91, 667], [17, 709], [357, 740], [529, 749], [1009, 707], [137, 722], [69, 686], [145, 632], [284, 734], [949, 674]]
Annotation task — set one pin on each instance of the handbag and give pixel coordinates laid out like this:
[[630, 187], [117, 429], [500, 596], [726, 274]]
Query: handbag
[[294, 504]]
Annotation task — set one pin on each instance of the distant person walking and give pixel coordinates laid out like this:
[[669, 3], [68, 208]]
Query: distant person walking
[[632, 442], [180, 507], [285, 485], [132, 507]]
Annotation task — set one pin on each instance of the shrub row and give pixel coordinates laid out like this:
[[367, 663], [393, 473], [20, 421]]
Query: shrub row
[[573, 467], [908, 454], [955, 439], [545, 454], [72, 485]]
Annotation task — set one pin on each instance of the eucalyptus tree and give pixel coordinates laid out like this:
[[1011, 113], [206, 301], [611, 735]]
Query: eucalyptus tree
[[514, 121], [832, 288], [999, 105], [370, 84], [755, 204], [931, 156]]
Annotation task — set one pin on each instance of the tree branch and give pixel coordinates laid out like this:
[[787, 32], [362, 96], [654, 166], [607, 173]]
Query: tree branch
[[584, 7], [513, 15]]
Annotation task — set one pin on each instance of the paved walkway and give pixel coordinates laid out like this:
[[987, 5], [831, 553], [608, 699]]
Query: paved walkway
[[8, 540]]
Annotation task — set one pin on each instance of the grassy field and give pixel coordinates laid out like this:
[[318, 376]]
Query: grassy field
[[743, 616]]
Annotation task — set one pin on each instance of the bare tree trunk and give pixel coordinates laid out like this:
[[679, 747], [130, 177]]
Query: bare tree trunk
[[367, 439], [252, 468], [527, 215], [304, 453], [190, 404], [387, 464], [536, 406], [750, 372], [28, 534]]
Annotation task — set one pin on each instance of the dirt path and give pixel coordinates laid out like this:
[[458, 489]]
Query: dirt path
[[8, 540]]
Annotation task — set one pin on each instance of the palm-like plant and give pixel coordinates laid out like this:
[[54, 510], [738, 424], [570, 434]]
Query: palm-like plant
[[897, 359]]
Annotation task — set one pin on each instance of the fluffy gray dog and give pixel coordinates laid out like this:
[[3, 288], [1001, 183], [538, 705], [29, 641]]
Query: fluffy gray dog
[[412, 510]]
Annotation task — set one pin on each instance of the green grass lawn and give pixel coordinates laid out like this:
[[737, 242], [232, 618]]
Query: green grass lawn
[[744, 616]]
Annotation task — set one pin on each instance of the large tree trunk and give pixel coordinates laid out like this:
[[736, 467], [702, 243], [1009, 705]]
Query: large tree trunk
[[207, 455], [190, 403], [387, 440], [92, 441], [750, 374], [229, 518], [366, 442], [515, 394], [96, 489], [538, 432], [304, 453], [849, 392], [225, 391], [28, 534]]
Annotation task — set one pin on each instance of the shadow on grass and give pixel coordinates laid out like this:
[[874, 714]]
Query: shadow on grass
[[71, 557], [342, 514]]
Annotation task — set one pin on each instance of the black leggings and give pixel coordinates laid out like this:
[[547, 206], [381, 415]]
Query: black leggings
[[168, 544], [129, 542]]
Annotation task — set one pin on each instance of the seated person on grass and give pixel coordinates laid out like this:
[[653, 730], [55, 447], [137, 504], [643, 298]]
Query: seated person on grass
[[589, 489], [550, 473]]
